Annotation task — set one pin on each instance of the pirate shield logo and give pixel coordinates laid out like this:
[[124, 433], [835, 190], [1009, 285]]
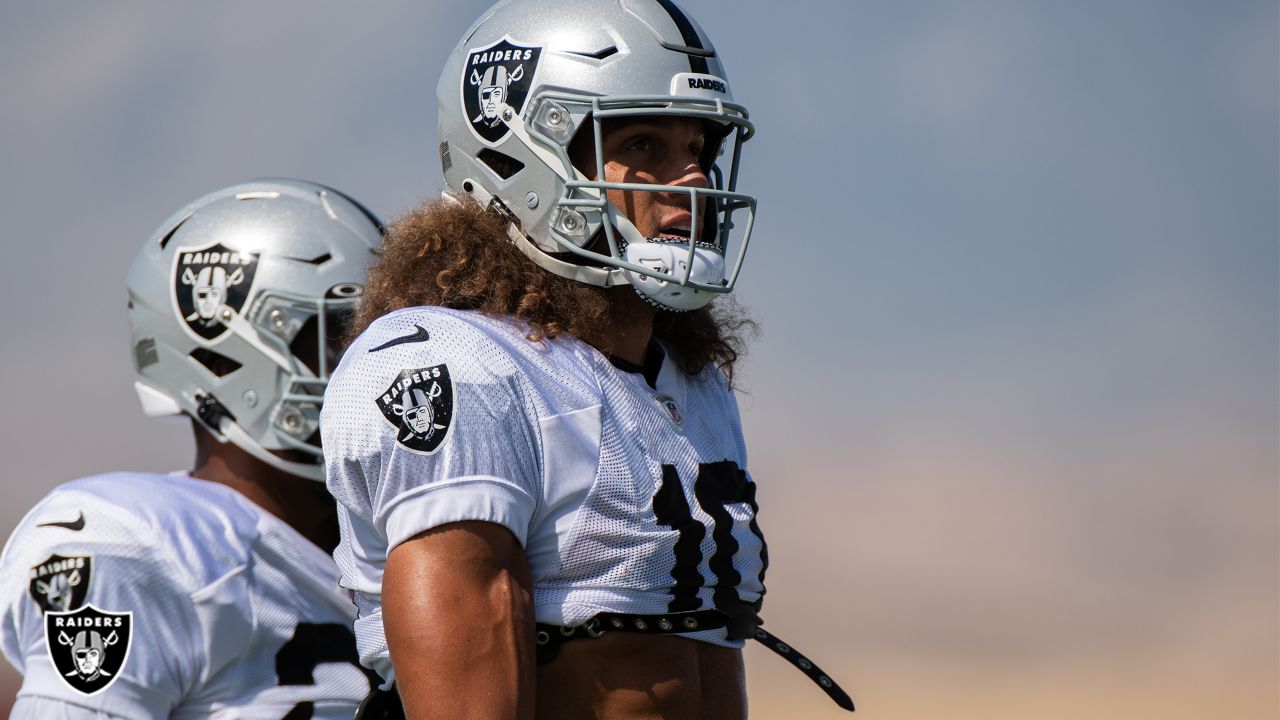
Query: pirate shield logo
[[88, 646], [419, 404], [60, 583], [496, 74], [206, 280]]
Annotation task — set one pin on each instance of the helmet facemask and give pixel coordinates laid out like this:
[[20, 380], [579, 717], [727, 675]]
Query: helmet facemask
[[304, 336], [671, 270]]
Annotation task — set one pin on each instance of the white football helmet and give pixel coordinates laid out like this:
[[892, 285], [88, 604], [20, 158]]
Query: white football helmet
[[530, 75], [237, 305]]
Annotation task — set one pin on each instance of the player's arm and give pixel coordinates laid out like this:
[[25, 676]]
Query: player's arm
[[457, 607]]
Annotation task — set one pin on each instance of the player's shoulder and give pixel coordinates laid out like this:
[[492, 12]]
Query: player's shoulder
[[473, 341], [142, 518], [465, 347]]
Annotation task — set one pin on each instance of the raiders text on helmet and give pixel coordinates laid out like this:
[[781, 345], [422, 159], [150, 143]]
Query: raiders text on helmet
[[531, 75], [237, 304]]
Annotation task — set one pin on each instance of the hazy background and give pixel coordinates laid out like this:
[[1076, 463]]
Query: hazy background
[[1014, 413]]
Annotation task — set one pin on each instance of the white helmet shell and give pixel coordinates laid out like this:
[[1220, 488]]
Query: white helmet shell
[[531, 74], [236, 307]]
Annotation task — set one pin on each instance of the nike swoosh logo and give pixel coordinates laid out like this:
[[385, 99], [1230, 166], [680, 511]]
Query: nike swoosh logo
[[421, 335], [76, 525]]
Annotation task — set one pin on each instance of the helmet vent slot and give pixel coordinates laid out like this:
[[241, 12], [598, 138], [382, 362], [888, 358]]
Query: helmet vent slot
[[504, 165], [169, 235], [317, 260], [598, 55], [145, 354], [216, 363]]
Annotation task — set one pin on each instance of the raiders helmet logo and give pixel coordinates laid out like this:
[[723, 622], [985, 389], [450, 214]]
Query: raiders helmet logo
[[88, 646], [206, 280], [496, 74], [419, 404], [60, 583]]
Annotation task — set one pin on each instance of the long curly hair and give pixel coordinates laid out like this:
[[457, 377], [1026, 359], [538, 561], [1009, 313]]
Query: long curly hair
[[457, 255]]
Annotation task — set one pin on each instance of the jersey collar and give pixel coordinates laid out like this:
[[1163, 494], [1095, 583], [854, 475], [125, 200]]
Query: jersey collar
[[654, 356]]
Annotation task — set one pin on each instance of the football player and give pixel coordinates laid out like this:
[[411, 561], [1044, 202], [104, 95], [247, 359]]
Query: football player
[[209, 592], [533, 441]]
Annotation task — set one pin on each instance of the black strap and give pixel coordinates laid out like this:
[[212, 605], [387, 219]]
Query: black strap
[[551, 637], [381, 705], [385, 704], [806, 666]]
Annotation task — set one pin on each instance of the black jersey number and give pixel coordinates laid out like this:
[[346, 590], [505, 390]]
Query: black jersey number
[[718, 484], [312, 644]]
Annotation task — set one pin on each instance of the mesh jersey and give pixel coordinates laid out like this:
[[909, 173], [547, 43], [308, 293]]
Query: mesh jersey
[[235, 614], [626, 497]]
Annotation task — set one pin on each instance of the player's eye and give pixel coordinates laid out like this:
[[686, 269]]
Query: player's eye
[[642, 143]]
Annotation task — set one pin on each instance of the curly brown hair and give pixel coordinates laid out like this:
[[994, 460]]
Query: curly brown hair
[[456, 255]]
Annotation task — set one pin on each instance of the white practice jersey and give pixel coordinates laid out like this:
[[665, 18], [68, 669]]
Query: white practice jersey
[[628, 493], [138, 595]]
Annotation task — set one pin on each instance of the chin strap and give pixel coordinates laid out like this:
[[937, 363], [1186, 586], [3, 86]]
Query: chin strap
[[223, 426], [240, 438], [702, 263]]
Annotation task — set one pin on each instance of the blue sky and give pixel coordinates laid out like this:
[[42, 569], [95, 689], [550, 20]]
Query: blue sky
[[1014, 411]]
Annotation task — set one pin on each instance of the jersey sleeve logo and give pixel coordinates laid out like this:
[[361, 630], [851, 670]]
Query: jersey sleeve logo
[[493, 75], [88, 646], [419, 405], [61, 583], [206, 281]]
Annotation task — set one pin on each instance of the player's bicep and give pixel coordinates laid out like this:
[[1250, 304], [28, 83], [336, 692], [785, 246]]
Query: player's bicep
[[457, 607]]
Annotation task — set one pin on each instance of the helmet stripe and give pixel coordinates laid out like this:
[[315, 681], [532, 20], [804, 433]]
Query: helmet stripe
[[697, 63]]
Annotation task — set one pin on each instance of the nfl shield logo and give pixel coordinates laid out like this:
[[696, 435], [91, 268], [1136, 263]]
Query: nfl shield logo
[[419, 404], [670, 409], [88, 646], [207, 280], [496, 74]]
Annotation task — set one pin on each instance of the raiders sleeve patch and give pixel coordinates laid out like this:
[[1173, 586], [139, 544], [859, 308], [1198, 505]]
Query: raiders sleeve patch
[[60, 583], [419, 405], [88, 646]]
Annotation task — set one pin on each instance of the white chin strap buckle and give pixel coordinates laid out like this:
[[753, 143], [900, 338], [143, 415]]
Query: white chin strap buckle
[[672, 258]]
